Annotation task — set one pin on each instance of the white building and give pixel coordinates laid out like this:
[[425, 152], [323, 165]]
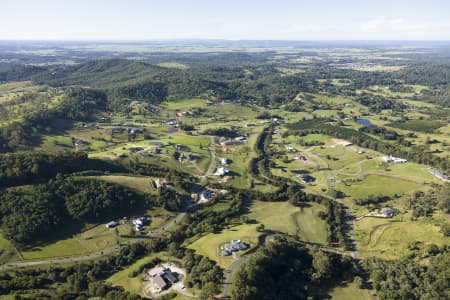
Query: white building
[[394, 160], [221, 172], [112, 224]]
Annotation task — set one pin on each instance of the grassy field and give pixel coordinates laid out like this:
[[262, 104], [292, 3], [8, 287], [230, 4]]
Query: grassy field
[[90, 241], [303, 222], [349, 291], [427, 126], [138, 183], [391, 238], [378, 185], [209, 245]]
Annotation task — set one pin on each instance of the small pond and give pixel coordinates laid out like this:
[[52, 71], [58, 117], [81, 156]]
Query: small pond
[[363, 122]]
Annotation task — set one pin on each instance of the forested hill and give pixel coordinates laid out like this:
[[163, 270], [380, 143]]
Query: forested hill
[[120, 77], [105, 73], [11, 72]]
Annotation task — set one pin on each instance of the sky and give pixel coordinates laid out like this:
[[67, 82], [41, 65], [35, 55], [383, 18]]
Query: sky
[[224, 19]]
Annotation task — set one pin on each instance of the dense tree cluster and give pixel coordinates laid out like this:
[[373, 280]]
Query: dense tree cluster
[[376, 103], [203, 274], [30, 214], [286, 270], [226, 132], [26, 167], [422, 204], [147, 91], [409, 280]]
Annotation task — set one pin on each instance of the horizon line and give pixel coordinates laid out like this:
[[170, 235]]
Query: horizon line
[[223, 39]]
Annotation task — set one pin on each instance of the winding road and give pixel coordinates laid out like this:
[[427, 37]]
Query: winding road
[[229, 274]]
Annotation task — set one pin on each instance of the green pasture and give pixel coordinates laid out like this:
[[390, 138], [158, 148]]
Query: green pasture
[[93, 240], [378, 185], [284, 217], [142, 184], [209, 245], [391, 238], [349, 291]]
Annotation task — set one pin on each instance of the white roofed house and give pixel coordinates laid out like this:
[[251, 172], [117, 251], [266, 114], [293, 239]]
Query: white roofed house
[[112, 224], [386, 212], [221, 172], [290, 149], [171, 122], [394, 160]]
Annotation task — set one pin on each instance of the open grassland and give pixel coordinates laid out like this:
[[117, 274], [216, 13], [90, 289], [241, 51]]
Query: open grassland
[[390, 238], [349, 291], [185, 104], [427, 126], [141, 184], [413, 170], [378, 185], [92, 240], [209, 245], [284, 217]]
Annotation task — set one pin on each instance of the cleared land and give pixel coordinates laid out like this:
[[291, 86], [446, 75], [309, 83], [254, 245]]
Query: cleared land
[[209, 245], [349, 291], [286, 218], [138, 183], [391, 238]]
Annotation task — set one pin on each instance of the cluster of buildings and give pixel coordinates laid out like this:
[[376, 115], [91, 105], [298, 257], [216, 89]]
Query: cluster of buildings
[[385, 212], [394, 160], [223, 141], [290, 149], [186, 156], [222, 171], [233, 246], [140, 223], [163, 278]]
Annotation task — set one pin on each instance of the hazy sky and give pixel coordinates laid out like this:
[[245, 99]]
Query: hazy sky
[[225, 19]]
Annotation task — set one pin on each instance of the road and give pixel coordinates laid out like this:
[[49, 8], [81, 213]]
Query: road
[[229, 273], [323, 166], [160, 231], [212, 163]]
